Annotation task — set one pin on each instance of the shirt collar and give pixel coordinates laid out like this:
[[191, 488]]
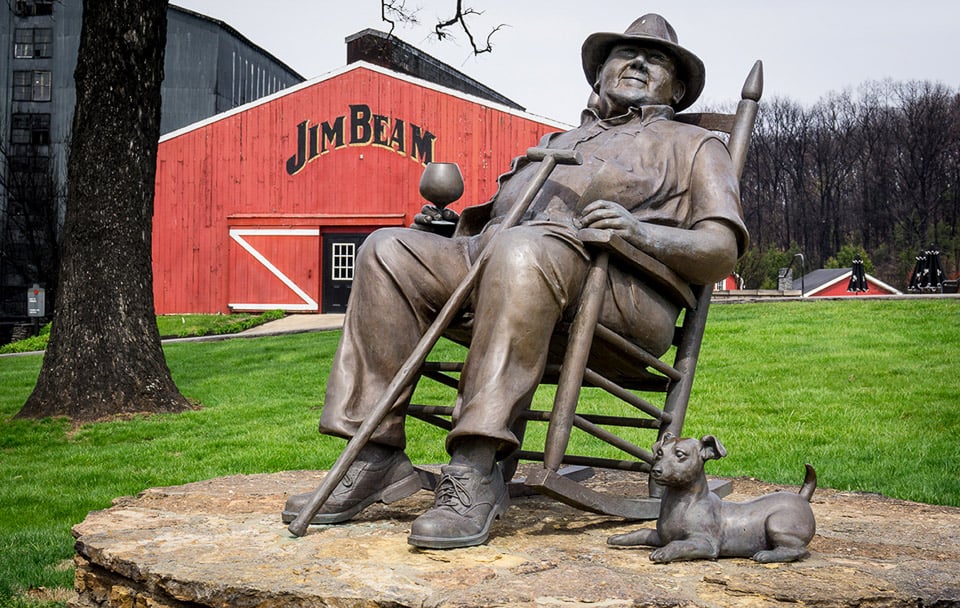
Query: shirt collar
[[646, 114]]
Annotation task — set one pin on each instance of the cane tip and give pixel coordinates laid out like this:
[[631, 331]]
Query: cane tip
[[297, 529]]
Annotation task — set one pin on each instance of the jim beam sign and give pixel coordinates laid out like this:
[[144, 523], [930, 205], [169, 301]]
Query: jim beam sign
[[36, 302], [360, 127]]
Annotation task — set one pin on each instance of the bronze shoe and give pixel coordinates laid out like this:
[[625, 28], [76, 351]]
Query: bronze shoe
[[466, 504], [386, 480]]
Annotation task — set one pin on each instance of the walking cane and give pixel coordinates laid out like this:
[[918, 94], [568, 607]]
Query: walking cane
[[411, 367]]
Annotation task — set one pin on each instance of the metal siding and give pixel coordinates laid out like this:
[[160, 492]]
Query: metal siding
[[236, 166]]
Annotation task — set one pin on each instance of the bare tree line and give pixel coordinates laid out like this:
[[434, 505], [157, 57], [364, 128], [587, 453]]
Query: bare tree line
[[873, 172]]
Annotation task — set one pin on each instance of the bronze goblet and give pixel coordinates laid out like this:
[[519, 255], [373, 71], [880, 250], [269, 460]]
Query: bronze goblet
[[441, 184]]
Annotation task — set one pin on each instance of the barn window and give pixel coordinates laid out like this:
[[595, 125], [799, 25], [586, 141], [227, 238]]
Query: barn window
[[343, 258]]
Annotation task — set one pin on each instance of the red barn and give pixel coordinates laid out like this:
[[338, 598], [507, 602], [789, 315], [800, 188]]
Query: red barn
[[263, 207], [832, 282], [731, 282]]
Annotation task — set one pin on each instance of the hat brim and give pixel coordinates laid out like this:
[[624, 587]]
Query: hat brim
[[597, 47]]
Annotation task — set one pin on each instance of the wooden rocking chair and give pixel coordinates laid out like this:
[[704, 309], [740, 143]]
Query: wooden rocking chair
[[635, 369]]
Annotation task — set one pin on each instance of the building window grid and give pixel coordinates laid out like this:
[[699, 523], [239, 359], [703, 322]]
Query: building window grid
[[30, 146], [32, 85], [32, 43], [342, 264], [33, 8], [30, 135]]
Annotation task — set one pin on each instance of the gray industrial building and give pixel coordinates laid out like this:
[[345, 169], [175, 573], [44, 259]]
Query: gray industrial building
[[209, 68]]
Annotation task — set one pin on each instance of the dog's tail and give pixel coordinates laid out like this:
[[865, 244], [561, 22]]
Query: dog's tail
[[809, 483]]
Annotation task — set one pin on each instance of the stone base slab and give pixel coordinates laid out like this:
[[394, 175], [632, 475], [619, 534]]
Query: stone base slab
[[220, 543]]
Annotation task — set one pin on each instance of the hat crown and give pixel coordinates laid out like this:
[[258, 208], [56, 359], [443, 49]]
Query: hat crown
[[654, 26]]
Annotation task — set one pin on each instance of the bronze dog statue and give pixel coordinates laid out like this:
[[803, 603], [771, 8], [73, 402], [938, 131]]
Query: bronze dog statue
[[694, 523]]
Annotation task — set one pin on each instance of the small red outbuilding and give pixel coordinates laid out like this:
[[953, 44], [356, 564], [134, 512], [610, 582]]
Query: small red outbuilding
[[263, 207], [833, 282]]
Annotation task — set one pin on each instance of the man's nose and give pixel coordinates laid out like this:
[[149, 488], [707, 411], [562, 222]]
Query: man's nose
[[639, 62]]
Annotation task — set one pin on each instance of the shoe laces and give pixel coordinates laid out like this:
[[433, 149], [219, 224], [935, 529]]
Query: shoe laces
[[452, 492]]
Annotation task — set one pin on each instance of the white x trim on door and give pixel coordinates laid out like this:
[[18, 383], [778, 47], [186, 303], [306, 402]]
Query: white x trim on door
[[308, 304]]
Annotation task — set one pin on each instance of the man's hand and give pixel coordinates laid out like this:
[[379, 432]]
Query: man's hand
[[438, 221], [705, 253], [614, 217]]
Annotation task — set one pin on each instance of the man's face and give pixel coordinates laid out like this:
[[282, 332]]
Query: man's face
[[635, 76]]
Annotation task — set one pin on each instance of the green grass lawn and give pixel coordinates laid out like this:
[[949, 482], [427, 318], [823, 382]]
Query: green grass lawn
[[866, 391]]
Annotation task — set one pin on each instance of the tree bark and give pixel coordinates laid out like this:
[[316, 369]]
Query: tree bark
[[104, 357]]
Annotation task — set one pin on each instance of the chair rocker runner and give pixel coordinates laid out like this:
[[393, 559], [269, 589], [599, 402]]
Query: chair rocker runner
[[634, 368]]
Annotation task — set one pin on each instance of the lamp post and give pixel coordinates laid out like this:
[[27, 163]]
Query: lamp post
[[803, 271]]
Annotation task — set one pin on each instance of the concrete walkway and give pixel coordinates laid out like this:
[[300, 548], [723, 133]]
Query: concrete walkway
[[294, 324], [291, 324]]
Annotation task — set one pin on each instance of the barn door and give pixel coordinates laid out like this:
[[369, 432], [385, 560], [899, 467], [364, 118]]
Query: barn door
[[339, 257], [274, 269]]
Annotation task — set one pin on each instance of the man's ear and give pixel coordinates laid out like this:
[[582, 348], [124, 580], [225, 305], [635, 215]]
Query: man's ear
[[679, 90]]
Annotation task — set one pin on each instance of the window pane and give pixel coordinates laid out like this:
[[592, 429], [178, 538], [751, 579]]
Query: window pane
[[20, 136], [342, 263], [22, 86], [42, 86], [43, 42], [23, 43]]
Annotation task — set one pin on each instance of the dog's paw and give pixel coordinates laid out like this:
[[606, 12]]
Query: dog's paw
[[669, 553], [661, 556], [684, 550]]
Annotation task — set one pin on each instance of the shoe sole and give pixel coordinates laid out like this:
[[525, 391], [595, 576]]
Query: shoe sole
[[472, 540], [398, 490]]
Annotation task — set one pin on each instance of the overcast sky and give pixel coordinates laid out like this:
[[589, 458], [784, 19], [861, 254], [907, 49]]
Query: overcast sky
[[809, 47]]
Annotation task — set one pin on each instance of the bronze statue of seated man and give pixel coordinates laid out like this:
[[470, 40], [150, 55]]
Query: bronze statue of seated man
[[666, 187]]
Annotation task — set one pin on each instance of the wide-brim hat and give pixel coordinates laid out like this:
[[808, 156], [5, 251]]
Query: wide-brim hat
[[650, 30]]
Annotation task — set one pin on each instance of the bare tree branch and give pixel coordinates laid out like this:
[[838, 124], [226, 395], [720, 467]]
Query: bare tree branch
[[398, 10], [392, 11], [461, 18]]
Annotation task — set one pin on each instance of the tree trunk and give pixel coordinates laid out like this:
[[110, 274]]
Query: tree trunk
[[104, 357]]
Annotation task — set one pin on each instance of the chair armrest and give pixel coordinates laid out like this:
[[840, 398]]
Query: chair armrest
[[641, 264]]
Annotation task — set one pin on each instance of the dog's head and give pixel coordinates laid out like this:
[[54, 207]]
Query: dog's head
[[679, 460]]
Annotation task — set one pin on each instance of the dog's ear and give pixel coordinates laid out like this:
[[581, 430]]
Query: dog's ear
[[711, 448], [666, 437]]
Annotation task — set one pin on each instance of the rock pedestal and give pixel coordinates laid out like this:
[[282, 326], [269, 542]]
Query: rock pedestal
[[220, 543]]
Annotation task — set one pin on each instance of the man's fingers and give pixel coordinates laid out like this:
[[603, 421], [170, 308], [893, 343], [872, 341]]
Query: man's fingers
[[431, 212]]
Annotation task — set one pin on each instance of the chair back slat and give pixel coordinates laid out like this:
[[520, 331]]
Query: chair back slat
[[712, 121], [738, 125]]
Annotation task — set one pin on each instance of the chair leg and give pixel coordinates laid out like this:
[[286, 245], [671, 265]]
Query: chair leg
[[678, 396], [510, 463], [574, 363]]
